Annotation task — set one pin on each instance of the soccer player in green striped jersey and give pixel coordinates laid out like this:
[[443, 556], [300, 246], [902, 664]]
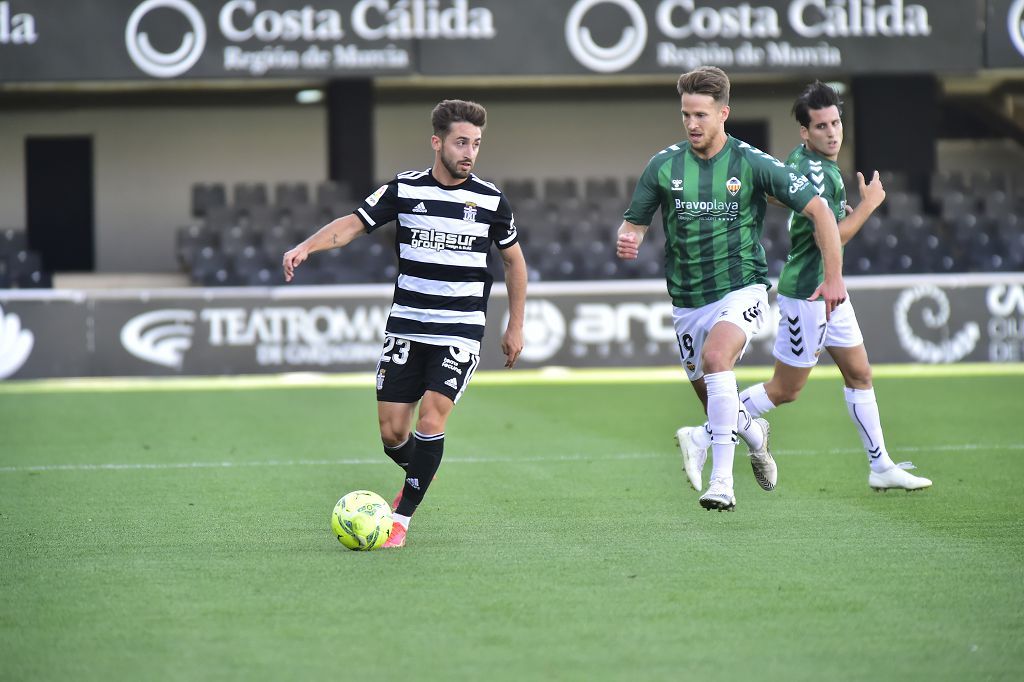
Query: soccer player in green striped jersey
[[803, 328], [712, 191]]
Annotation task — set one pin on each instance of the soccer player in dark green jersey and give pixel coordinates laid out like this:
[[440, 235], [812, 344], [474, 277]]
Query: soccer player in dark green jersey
[[803, 328], [712, 191]]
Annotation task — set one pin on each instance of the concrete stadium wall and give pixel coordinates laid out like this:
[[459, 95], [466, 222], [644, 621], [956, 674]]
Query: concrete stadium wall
[[145, 161]]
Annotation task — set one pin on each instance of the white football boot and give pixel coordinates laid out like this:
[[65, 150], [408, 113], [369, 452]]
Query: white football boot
[[765, 470], [896, 476], [694, 455], [719, 496]]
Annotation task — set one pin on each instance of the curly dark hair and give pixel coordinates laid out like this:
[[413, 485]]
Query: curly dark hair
[[815, 96], [451, 111]]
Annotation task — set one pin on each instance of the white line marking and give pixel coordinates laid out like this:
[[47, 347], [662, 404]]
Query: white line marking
[[669, 452], [545, 375]]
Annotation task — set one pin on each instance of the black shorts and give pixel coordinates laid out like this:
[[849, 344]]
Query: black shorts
[[407, 369]]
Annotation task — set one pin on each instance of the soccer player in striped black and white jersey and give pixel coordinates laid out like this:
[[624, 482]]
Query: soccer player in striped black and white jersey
[[446, 219]]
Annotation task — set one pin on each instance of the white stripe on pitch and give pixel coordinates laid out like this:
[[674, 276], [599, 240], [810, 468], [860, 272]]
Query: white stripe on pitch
[[951, 448], [465, 259], [459, 196], [453, 225], [438, 316], [436, 287]]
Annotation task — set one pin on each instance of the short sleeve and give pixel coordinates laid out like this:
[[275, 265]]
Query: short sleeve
[[786, 183], [503, 226], [646, 196], [380, 208]]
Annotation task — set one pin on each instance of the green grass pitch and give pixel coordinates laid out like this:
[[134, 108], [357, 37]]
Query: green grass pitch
[[179, 530]]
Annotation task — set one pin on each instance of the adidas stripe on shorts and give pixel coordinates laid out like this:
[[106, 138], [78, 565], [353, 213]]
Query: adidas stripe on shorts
[[407, 369]]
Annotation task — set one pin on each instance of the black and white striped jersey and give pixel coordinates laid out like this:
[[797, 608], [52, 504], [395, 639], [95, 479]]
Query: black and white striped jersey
[[443, 237]]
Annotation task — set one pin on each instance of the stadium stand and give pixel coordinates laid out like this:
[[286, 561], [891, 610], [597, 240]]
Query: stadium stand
[[967, 222], [20, 266]]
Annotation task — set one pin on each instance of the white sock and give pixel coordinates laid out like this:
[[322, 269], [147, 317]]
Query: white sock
[[863, 411], [403, 521], [755, 400], [703, 436], [753, 403], [723, 413], [752, 435]]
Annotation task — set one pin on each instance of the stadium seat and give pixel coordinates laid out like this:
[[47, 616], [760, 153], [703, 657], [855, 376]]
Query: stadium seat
[[954, 204], [891, 180], [234, 240], [944, 182], [290, 193], [277, 240], [602, 188], [518, 190], [330, 192], [189, 240], [302, 219], [997, 204], [206, 195], [12, 240], [257, 218], [250, 194], [208, 261], [901, 204], [34, 279], [557, 189], [219, 218], [248, 261]]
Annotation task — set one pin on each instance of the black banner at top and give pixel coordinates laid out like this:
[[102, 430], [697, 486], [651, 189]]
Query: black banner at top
[[1004, 39], [254, 39]]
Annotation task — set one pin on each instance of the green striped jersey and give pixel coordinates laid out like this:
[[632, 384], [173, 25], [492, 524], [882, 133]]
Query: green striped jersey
[[804, 269], [713, 212]]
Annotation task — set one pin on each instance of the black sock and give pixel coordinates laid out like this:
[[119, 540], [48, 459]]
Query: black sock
[[401, 454], [420, 472]]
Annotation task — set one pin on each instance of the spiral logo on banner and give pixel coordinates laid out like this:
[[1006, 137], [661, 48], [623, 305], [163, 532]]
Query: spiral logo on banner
[[159, 64], [606, 59], [935, 315], [1015, 25]]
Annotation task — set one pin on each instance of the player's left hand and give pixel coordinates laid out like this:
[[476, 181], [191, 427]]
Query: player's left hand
[[512, 346], [871, 193], [834, 293]]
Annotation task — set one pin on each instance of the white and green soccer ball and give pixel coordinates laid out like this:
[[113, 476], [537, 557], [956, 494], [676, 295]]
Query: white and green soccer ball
[[362, 520]]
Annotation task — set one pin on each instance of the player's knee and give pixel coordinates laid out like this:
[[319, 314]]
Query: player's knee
[[392, 434], [780, 395], [430, 424], [715, 360], [860, 378]]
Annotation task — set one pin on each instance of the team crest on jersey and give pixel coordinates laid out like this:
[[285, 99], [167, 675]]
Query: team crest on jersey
[[469, 212], [733, 185], [690, 366]]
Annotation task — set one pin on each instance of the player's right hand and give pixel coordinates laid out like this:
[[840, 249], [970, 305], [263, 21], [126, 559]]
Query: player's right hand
[[626, 247], [292, 260]]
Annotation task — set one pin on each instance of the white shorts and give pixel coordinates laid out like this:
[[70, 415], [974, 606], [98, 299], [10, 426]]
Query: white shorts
[[803, 332], [746, 308]]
